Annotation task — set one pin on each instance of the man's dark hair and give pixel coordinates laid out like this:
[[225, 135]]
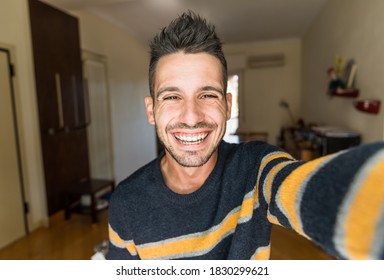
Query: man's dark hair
[[190, 34]]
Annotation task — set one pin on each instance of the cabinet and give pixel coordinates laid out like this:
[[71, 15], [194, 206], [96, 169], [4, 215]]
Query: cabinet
[[61, 100]]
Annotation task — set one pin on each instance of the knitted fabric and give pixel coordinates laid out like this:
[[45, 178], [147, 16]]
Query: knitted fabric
[[336, 201]]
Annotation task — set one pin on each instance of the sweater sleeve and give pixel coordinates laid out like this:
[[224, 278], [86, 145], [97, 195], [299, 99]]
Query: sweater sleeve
[[337, 201]]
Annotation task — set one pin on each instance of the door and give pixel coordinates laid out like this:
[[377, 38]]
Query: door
[[12, 219], [98, 112]]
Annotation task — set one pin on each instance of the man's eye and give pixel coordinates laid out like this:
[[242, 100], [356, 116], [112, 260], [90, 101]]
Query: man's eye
[[209, 96], [171, 97]]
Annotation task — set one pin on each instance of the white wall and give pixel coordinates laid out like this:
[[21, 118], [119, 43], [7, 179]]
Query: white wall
[[351, 29], [262, 89], [134, 138], [14, 31], [134, 141]]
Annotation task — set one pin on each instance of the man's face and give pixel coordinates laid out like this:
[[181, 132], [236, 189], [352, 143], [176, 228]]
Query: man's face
[[190, 109]]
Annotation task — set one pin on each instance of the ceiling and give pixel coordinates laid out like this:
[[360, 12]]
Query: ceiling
[[235, 20]]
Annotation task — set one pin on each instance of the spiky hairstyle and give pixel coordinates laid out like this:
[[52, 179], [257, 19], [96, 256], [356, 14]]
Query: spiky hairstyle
[[190, 34]]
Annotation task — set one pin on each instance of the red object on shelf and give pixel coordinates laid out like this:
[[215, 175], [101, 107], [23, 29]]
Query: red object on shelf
[[346, 93], [368, 106]]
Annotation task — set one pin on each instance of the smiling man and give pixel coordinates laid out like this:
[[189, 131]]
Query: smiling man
[[203, 198], [190, 109]]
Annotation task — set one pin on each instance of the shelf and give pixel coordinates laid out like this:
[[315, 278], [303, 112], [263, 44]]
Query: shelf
[[368, 106], [349, 93], [87, 210], [89, 187]]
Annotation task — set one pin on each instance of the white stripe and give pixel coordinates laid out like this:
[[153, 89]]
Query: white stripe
[[379, 240], [339, 236]]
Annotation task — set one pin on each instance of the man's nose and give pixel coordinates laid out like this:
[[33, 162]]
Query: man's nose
[[192, 112]]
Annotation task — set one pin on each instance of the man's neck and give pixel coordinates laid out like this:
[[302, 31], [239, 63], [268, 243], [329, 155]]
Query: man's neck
[[185, 180]]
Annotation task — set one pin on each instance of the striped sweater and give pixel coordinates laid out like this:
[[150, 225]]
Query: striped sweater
[[337, 201]]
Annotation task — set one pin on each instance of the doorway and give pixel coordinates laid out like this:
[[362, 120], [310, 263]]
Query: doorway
[[13, 222], [99, 130]]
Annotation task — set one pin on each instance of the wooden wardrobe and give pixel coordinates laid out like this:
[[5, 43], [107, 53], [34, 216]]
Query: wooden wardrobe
[[61, 100]]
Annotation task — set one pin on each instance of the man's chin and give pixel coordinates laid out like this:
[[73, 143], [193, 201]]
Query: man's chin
[[191, 158], [191, 164]]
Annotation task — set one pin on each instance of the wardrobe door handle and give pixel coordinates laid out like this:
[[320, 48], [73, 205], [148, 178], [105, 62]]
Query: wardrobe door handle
[[75, 101], [59, 99], [87, 106]]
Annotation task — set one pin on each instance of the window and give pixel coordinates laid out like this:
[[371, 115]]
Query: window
[[233, 123]]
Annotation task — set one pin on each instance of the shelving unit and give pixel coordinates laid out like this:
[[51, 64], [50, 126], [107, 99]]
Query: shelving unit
[[89, 187]]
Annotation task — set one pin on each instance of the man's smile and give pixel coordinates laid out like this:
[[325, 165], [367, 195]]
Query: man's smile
[[191, 138]]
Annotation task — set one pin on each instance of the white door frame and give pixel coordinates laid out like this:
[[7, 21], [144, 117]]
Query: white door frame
[[105, 170], [9, 52]]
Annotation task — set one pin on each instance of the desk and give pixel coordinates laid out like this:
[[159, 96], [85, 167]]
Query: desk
[[89, 187], [307, 143]]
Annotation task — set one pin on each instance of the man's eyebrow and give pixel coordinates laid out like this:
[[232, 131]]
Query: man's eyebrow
[[211, 88], [166, 89]]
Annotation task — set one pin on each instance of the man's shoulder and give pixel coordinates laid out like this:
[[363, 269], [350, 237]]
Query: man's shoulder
[[138, 180], [251, 148]]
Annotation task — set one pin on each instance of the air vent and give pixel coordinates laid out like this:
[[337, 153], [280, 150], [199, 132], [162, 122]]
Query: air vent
[[269, 60]]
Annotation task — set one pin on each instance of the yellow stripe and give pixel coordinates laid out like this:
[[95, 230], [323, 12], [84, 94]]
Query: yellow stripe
[[247, 207], [130, 246], [268, 188], [363, 216], [199, 243], [248, 204], [271, 157], [264, 162], [262, 253], [271, 175], [272, 219], [290, 189], [115, 238], [193, 244]]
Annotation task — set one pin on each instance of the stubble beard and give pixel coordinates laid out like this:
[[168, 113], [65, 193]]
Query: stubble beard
[[189, 158]]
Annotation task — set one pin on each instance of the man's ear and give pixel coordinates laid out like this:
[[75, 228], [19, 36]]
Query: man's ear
[[149, 109], [229, 105]]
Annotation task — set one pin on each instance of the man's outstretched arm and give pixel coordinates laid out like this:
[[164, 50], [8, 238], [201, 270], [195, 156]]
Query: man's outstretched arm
[[337, 201]]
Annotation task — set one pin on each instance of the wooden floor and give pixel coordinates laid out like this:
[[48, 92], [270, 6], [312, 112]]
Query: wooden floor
[[288, 245], [75, 240]]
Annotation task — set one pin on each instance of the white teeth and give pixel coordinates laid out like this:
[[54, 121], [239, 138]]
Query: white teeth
[[192, 140]]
